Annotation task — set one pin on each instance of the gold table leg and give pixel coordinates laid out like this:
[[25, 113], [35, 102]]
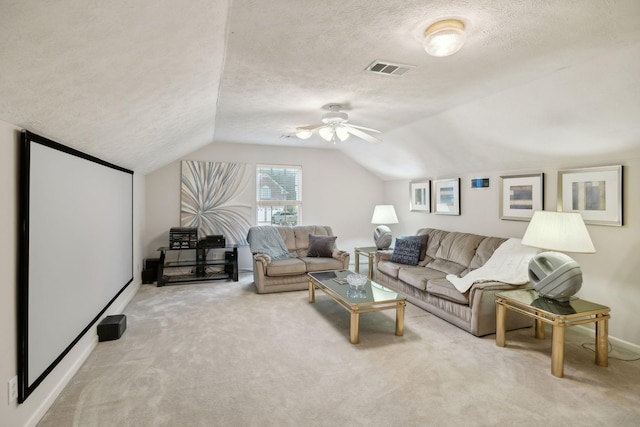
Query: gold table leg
[[312, 292], [539, 329], [355, 327], [400, 318], [557, 351], [602, 341], [357, 261], [371, 266], [501, 319]]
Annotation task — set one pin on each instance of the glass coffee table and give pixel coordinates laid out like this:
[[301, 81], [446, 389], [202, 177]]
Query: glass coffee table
[[373, 297], [560, 315]]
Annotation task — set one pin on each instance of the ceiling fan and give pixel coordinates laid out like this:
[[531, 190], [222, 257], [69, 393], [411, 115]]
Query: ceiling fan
[[335, 125]]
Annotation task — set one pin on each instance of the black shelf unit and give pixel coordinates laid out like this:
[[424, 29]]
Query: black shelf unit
[[198, 266]]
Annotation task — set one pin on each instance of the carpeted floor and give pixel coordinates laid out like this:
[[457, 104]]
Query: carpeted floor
[[218, 354]]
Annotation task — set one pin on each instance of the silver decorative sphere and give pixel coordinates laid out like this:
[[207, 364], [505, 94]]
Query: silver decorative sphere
[[382, 236], [555, 275]]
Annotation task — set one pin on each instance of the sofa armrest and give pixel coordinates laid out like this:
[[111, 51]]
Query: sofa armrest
[[479, 288], [342, 256], [382, 256], [262, 261]]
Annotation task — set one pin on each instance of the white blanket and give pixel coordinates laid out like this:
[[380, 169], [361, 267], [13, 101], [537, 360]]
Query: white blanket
[[508, 264]]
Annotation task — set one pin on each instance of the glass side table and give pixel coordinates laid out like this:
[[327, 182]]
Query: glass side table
[[560, 315], [370, 252]]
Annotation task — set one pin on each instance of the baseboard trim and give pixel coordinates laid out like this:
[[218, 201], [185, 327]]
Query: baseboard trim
[[614, 341]]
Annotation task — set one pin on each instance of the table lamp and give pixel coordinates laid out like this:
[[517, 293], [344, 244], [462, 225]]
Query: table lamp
[[383, 214], [554, 274]]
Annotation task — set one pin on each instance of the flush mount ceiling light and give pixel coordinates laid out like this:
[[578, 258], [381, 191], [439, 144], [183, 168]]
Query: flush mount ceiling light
[[444, 38]]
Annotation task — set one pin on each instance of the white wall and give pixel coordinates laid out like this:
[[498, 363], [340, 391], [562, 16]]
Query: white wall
[[36, 405], [335, 192], [610, 275]]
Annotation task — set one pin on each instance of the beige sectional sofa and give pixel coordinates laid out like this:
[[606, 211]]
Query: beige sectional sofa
[[426, 286], [289, 274]]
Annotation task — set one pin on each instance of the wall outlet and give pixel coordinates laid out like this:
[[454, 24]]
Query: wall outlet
[[13, 389]]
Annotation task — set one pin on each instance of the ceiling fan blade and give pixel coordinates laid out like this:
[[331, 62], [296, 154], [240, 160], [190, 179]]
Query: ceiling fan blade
[[362, 135], [311, 127], [362, 128]]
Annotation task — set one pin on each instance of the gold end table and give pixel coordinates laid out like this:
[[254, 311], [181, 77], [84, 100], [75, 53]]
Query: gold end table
[[560, 315], [368, 251]]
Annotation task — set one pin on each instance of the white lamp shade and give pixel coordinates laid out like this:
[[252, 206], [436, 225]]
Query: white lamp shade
[[444, 38], [558, 231], [384, 214]]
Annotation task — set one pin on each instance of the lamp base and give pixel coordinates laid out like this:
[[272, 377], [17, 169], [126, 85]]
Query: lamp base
[[382, 236], [555, 275]]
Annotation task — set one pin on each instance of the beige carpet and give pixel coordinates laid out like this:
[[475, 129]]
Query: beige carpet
[[218, 354]]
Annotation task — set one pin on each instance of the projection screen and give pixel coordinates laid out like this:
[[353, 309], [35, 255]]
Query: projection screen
[[75, 250]]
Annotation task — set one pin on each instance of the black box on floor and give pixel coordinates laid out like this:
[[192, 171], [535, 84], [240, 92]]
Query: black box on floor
[[150, 272], [151, 264], [149, 276], [112, 327]]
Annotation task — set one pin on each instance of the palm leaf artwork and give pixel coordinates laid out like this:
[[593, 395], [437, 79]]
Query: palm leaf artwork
[[215, 198]]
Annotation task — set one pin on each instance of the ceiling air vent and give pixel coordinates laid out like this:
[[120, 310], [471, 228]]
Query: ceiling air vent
[[388, 68]]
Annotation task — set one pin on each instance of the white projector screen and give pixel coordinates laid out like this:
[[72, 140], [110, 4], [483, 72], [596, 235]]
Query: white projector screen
[[76, 250]]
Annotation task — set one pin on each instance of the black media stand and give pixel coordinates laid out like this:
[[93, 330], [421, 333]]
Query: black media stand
[[197, 264]]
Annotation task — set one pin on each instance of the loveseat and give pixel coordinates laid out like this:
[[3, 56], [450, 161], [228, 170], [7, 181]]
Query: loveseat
[[445, 253], [308, 248]]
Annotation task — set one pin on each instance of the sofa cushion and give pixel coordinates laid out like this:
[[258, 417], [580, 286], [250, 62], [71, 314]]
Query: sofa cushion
[[286, 267], [486, 248], [418, 276], [445, 289], [321, 246], [407, 250], [424, 244], [435, 237], [389, 268], [446, 266], [321, 264], [459, 247]]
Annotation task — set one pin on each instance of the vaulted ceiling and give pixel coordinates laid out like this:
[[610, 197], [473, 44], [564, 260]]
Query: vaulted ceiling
[[143, 83]]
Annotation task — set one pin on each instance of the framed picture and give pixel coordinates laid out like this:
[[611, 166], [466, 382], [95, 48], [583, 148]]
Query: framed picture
[[521, 196], [594, 192], [420, 192], [447, 196]]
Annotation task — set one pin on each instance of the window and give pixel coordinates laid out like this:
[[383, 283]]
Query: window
[[278, 195]]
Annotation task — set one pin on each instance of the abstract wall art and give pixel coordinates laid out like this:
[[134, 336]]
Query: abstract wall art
[[216, 198]]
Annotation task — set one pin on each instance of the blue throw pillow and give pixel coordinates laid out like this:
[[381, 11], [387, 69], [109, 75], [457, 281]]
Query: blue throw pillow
[[407, 250]]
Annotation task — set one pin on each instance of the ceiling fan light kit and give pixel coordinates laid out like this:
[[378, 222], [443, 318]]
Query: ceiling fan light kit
[[303, 133], [335, 127], [326, 133], [444, 38]]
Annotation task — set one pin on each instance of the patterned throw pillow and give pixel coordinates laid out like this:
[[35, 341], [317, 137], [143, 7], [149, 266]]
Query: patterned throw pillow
[[407, 250]]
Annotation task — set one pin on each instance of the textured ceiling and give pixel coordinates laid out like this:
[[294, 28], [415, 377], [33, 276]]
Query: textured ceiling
[[142, 83]]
